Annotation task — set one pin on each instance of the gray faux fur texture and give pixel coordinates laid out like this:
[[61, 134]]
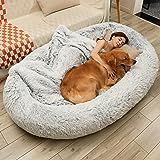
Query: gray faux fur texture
[[31, 92]]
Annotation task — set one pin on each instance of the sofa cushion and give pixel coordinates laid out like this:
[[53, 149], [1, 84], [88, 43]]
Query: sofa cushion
[[33, 24], [76, 17], [50, 6]]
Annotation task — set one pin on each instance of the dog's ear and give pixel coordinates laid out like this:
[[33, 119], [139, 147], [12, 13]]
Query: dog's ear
[[112, 61]]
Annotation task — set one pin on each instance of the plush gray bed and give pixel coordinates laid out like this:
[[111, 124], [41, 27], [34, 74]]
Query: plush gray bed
[[31, 92]]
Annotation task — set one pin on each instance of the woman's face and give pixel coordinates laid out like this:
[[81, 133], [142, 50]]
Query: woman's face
[[118, 41]]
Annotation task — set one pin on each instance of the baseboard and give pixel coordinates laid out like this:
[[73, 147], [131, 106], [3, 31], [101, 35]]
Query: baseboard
[[149, 18]]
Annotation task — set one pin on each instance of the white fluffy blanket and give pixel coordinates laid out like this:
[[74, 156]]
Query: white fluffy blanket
[[42, 71], [31, 93]]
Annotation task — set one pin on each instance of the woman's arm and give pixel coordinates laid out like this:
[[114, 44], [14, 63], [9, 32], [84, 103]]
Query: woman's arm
[[94, 54]]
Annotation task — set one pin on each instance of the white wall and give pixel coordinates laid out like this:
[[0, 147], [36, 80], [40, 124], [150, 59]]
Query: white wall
[[130, 6]]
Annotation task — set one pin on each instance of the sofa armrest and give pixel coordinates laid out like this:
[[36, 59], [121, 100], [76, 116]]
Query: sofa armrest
[[104, 5]]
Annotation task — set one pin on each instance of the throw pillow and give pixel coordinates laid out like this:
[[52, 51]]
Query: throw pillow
[[132, 51], [50, 6]]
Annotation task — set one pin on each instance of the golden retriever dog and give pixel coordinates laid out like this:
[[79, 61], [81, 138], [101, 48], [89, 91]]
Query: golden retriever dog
[[83, 83]]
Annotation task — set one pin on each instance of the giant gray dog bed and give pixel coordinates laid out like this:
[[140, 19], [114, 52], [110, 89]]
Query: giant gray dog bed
[[31, 92]]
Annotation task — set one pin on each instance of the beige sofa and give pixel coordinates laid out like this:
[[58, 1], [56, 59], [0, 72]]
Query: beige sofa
[[28, 15], [31, 19]]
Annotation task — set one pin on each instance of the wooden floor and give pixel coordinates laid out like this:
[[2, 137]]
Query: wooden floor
[[136, 136]]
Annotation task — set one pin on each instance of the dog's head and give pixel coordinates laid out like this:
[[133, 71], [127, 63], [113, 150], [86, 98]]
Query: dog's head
[[117, 57]]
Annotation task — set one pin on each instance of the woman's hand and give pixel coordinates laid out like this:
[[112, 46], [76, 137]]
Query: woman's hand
[[111, 73]]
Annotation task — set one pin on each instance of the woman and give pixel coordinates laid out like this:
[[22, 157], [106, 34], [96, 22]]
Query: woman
[[117, 40]]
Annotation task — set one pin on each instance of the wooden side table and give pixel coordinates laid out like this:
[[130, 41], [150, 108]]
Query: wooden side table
[[118, 10], [108, 7]]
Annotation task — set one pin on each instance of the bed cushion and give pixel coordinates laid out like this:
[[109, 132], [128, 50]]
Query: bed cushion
[[31, 92]]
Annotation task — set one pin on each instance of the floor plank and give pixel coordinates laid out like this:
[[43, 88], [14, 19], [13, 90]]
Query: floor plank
[[5, 121], [132, 152], [156, 45], [155, 154], [152, 110], [155, 89], [57, 157], [19, 147], [3, 143], [2, 109], [2, 86], [114, 144], [46, 150], [150, 137], [12, 133]]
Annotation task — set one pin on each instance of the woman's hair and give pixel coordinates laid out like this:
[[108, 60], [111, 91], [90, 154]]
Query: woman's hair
[[120, 34]]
